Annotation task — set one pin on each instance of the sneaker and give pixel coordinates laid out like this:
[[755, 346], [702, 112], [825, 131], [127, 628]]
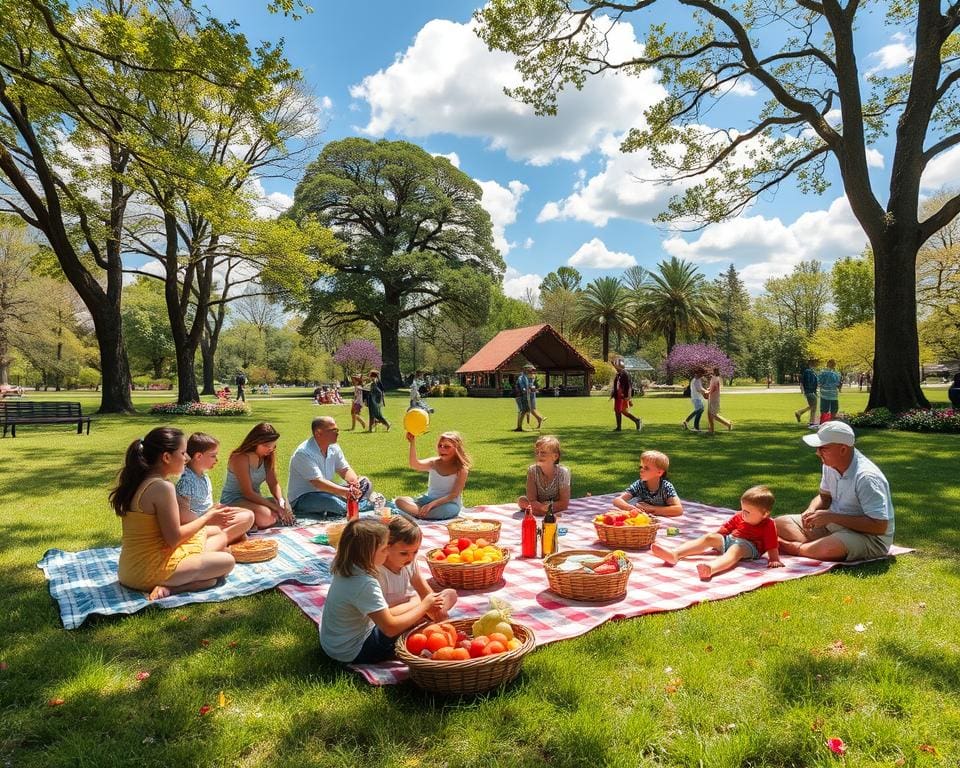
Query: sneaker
[[813, 426], [639, 424], [730, 427], [684, 425]]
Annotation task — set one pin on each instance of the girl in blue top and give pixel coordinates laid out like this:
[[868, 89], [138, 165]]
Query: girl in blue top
[[357, 626], [652, 493]]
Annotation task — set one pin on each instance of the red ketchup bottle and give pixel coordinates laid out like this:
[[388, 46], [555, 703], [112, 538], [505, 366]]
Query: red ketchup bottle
[[528, 535], [353, 507]]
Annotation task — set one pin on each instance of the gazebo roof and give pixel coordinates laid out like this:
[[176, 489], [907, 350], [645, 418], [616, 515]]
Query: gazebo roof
[[541, 345]]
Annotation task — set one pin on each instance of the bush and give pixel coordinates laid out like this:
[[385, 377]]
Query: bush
[[944, 420], [452, 390], [220, 408], [743, 382], [437, 390]]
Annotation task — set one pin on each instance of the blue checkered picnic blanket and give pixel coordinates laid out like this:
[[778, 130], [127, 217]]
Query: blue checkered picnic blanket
[[85, 583]]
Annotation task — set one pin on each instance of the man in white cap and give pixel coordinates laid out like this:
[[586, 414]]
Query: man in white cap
[[852, 516]]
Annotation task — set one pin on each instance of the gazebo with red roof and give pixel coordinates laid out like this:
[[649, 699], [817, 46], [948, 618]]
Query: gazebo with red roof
[[492, 371]]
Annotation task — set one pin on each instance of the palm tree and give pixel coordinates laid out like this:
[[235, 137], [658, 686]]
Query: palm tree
[[602, 307], [676, 300]]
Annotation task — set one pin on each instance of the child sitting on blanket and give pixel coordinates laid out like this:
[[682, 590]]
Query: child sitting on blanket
[[400, 579], [743, 537], [652, 493], [447, 477], [357, 625], [195, 491], [159, 554], [546, 480]]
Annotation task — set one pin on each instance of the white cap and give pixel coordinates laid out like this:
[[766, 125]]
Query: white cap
[[831, 432]]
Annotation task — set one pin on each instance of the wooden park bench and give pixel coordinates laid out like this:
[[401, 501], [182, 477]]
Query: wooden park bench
[[29, 412]]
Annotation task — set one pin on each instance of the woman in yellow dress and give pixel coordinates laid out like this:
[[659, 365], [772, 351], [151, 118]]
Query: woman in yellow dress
[[160, 555]]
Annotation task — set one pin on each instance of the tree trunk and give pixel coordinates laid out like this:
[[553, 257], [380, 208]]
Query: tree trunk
[[896, 362], [114, 367], [390, 351], [206, 357], [605, 333]]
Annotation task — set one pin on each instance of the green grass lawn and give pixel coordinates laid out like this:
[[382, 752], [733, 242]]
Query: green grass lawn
[[760, 680]]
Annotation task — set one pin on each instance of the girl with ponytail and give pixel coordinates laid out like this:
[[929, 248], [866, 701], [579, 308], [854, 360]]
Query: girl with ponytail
[[158, 554]]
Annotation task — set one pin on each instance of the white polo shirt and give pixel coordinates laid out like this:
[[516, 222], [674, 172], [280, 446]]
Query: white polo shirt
[[861, 490], [308, 463]]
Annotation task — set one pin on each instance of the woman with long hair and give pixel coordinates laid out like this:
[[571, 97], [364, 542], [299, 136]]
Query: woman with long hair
[[253, 463], [160, 555]]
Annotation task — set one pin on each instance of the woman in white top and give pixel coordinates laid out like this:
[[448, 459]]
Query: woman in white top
[[447, 477]]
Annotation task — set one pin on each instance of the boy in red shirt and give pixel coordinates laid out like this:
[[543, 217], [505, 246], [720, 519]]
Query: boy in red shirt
[[743, 537]]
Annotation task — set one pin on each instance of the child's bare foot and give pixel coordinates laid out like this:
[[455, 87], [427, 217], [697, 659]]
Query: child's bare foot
[[667, 555], [704, 572], [159, 592]]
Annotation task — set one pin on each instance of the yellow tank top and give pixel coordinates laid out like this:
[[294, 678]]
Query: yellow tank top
[[146, 560]]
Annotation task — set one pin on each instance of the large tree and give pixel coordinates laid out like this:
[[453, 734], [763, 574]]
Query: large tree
[[17, 305], [804, 57], [852, 284], [733, 306], [415, 236], [677, 302], [604, 307], [800, 299]]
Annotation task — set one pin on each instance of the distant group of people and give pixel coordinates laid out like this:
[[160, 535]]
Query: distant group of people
[[827, 383], [702, 389], [324, 395]]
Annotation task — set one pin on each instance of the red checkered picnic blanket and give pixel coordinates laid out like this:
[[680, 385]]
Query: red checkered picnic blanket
[[653, 587]]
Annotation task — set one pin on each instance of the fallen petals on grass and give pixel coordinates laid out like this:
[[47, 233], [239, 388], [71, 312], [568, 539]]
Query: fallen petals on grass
[[205, 710], [141, 676], [836, 746], [817, 725], [674, 685], [928, 748], [205, 643], [221, 700], [847, 600], [56, 702], [860, 628], [3, 666], [785, 616]]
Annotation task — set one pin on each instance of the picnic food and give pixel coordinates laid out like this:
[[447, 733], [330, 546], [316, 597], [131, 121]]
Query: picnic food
[[443, 642], [472, 665], [475, 529], [254, 550], [466, 552], [633, 529], [591, 575]]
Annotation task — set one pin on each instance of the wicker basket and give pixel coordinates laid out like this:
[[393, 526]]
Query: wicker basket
[[470, 676], [334, 531], [627, 536], [467, 575], [583, 585], [254, 550], [457, 531]]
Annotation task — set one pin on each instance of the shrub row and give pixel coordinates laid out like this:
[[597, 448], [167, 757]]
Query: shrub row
[[447, 390], [220, 408], [918, 420]]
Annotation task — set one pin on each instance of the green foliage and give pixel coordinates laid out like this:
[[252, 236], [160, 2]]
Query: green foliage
[[885, 690], [603, 372], [603, 307], [852, 283], [799, 300], [733, 305], [942, 420], [564, 279], [146, 327], [677, 302], [415, 235]]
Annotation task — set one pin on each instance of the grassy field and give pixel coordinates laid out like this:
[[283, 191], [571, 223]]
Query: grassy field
[[760, 680]]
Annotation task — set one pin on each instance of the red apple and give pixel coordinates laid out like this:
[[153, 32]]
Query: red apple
[[463, 543]]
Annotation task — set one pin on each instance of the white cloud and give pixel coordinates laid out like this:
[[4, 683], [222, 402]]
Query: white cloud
[[516, 285], [893, 55], [447, 81], [762, 248], [528, 244], [874, 158], [502, 204], [942, 171], [267, 205], [624, 188], [595, 255], [453, 157]]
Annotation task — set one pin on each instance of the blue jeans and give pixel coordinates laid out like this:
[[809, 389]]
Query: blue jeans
[[377, 647], [695, 415], [323, 504], [440, 512]]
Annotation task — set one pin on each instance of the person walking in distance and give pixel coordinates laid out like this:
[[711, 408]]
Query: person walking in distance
[[240, 381], [808, 385], [622, 392]]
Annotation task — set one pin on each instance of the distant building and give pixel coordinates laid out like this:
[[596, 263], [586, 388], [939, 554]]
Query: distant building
[[494, 369]]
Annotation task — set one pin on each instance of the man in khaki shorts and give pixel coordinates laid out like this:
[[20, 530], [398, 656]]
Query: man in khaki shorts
[[852, 516]]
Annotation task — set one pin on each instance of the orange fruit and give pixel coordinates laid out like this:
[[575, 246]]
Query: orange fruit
[[460, 654], [512, 645], [493, 647], [416, 643], [436, 641], [499, 637], [444, 654]]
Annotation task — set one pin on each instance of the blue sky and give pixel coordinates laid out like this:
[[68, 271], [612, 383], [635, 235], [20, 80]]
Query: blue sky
[[558, 189]]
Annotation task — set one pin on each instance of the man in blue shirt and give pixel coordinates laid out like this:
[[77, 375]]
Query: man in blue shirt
[[830, 382], [808, 385]]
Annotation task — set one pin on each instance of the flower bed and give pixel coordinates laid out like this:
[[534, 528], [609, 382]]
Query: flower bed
[[219, 408], [918, 420]]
